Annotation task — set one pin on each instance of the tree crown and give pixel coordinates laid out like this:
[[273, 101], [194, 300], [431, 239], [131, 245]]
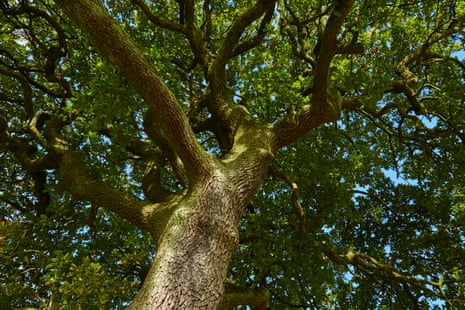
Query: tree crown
[[362, 102]]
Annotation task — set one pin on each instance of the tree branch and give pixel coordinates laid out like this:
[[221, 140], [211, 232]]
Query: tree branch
[[310, 116], [258, 298], [324, 105], [27, 90], [258, 38], [187, 27], [409, 80], [34, 166], [158, 21], [164, 120], [216, 75], [153, 158], [372, 267], [151, 182], [54, 53], [83, 187], [294, 198], [328, 48]]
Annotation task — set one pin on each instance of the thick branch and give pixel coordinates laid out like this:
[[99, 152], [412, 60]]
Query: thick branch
[[310, 116], [165, 118], [218, 98], [324, 106], [85, 188], [328, 48]]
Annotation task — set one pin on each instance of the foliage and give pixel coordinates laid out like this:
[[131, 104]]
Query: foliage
[[364, 212]]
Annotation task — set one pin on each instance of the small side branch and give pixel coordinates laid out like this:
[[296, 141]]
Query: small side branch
[[409, 80], [256, 297], [374, 268], [294, 197], [230, 43], [158, 21]]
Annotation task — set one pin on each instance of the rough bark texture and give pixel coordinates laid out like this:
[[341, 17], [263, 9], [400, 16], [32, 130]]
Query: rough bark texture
[[195, 247], [201, 235]]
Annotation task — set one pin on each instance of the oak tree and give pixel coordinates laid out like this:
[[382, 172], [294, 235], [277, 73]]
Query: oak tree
[[223, 154]]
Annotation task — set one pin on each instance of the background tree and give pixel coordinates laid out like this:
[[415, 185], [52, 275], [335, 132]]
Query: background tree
[[213, 154]]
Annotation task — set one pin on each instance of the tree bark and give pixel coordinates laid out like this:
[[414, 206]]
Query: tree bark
[[194, 250]]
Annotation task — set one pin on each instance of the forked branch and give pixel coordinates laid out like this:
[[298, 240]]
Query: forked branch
[[231, 41]]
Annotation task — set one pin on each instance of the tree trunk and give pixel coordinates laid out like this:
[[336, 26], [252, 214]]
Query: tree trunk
[[194, 250]]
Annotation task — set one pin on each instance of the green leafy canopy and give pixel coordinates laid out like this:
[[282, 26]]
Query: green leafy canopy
[[363, 212]]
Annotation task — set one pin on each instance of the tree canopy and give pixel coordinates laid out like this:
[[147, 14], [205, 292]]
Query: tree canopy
[[344, 119]]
